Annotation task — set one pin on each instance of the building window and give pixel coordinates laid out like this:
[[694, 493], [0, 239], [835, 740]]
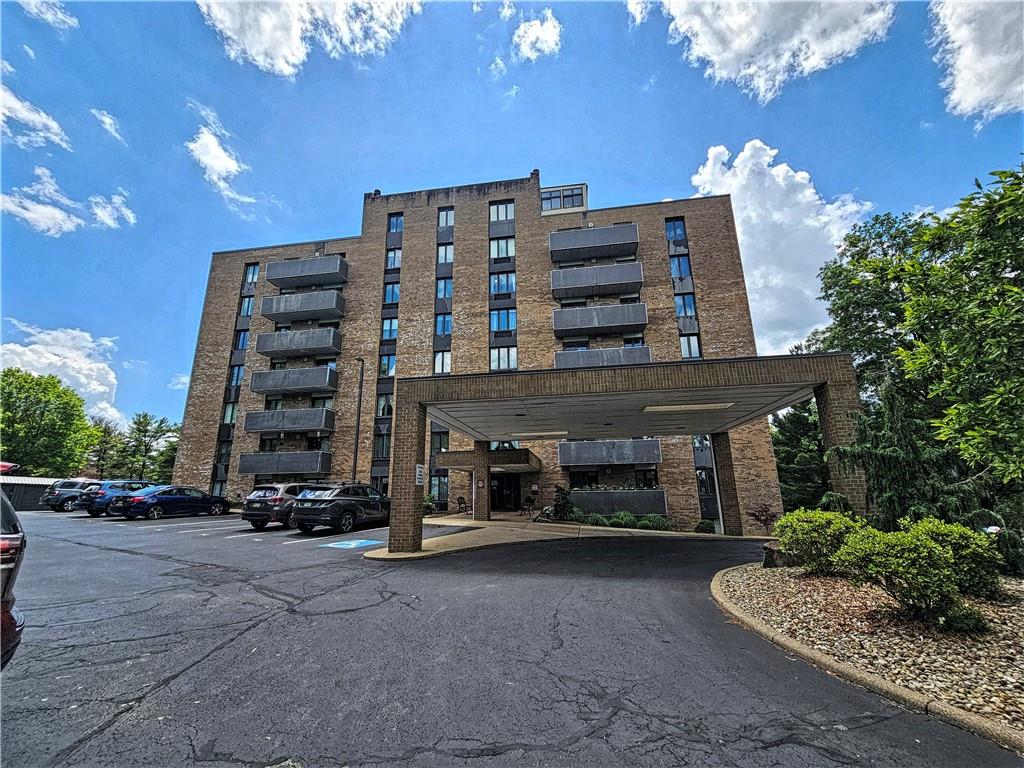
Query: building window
[[326, 362], [503, 320], [217, 488], [445, 217], [380, 483], [385, 405], [245, 306], [442, 362], [278, 327], [274, 404], [584, 478], [576, 344], [685, 305], [251, 274], [314, 443], [241, 339], [271, 444], [389, 328], [503, 211], [393, 258], [396, 222], [381, 446], [503, 445], [444, 288], [223, 452], [503, 282], [236, 374], [503, 247], [646, 478], [680, 266], [554, 199], [630, 298], [443, 325], [230, 411], [701, 442], [387, 365], [391, 293], [321, 402], [675, 229], [445, 254], [504, 358], [689, 346], [278, 365], [439, 489], [633, 341], [439, 442]]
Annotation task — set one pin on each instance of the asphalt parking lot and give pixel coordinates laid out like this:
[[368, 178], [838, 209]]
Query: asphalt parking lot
[[198, 641]]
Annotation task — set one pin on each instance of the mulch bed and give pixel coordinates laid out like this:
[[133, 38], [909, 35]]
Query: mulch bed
[[981, 673]]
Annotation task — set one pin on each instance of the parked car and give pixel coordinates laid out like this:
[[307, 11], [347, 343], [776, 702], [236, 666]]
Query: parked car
[[271, 503], [160, 500], [12, 552], [96, 498], [62, 495], [340, 507]]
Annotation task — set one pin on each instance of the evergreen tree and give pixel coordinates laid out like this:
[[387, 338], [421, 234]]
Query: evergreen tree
[[103, 456], [163, 461], [800, 456], [143, 438]]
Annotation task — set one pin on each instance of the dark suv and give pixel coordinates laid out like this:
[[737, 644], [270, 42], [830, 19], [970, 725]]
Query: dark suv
[[95, 499], [62, 495], [340, 507], [271, 504], [12, 552]]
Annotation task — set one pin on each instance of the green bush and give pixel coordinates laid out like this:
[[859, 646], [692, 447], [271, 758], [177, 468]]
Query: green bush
[[976, 561], [577, 516], [659, 523], [704, 526], [429, 505], [596, 519], [644, 524], [563, 507], [812, 537], [622, 520], [915, 571]]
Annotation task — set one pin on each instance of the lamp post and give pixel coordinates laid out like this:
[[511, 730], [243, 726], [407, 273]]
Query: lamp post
[[359, 413]]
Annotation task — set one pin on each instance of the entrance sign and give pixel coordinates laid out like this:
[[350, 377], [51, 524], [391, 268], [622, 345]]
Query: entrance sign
[[419, 474]]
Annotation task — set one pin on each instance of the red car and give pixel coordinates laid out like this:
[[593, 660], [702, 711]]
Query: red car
[[12, 552]]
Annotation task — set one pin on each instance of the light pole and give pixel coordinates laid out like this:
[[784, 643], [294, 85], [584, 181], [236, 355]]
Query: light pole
[[359, 413]]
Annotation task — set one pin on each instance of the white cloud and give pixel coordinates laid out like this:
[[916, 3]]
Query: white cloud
[[477, 7], [79, 359], [511, 94], [44, 207], [5, 67], [981, 49], [649, 85], [29, 52], [107, 212], [498, 68], [42, 217], [37, 129], [537, 37], [50, 11], [760, 46], [179, 381], [109, 123], [638, 10], [276, 36], [46, 188], [220, 164], [507, 10], [786, 233]]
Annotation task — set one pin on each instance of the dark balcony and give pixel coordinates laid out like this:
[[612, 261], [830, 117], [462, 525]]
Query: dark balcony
[[593, 358], [576, 453], [603, 280], [319, 305], [296, 273], [285, 463], [294, 381], [640, 502], [307, 343], [600, 320], [594, 242], [290, 420]]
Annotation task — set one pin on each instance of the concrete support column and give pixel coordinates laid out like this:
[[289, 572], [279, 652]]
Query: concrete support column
[[728, 493], [838, 401], [481, 471], [407, 450]]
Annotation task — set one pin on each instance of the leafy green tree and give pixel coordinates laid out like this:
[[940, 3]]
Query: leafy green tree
[[163, 461], [965, 324], [143, 438], [800, 456], [107, 444], [43, 426]]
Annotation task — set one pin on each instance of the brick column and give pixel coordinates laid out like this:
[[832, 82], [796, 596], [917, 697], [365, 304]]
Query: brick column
[[407, 450], [838, 400], [728, 494], [481, 471]]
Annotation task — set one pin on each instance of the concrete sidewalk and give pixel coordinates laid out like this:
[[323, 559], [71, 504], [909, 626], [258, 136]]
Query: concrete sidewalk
[[493, 533]]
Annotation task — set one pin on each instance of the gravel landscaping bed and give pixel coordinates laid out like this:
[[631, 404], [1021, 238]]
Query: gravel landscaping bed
[[981, 673]]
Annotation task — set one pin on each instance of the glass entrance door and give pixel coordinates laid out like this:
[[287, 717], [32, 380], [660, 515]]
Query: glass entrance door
[[505, 492]]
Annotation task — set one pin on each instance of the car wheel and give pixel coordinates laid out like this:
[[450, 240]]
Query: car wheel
[[155, 513], [217, 509], [259, 525], [288, 522], [347, 522], [68, 505], [305, 527]]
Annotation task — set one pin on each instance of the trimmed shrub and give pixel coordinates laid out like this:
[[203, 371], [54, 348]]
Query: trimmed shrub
[[659, 523], [644, 524], [813, 537], [596, 519], [704, 526], [577, 516], [976, 561], [622, 519], [429, 504], [563, 507]]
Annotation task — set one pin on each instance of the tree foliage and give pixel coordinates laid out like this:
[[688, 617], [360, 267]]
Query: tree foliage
[[106, 446], [141, 442], [800, 456]]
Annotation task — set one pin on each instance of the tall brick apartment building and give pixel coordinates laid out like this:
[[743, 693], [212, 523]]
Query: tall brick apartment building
[[481, 279]]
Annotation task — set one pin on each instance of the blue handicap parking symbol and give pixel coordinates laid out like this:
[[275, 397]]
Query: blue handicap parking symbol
[[352, 543]]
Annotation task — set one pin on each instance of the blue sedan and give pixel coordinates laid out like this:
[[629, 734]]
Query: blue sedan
[[166, 500]]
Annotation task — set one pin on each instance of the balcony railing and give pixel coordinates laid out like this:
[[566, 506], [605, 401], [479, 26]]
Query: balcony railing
[[285, 463], [296, 273], [642, 501], [290, 420], [294, 381], [573, 453], [600, 320], [593, 358], [602, 280], [614, 241], [306, 343], [318, 305]]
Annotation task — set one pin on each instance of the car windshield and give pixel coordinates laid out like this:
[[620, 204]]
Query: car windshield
[[151, 490], [317, 493], [263, 493], [92, 488], [70, 485]]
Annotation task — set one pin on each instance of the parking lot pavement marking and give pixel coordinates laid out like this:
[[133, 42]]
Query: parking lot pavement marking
[[332, 536], [195, 523], [241, 535], [204, 531], [352, 543]]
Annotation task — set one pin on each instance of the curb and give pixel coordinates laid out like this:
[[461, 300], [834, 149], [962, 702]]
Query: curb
[[969, 721]]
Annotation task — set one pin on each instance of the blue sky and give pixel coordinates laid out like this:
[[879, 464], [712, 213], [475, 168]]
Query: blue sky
[[815, 119]]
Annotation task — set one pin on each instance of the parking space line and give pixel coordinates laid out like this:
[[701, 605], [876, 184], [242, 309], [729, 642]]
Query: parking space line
[[333, 536], [205, 530], [200, 523], [242, 535]]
